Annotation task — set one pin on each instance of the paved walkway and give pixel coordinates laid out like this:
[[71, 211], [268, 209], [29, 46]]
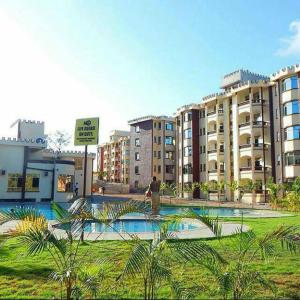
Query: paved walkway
[[182, 201]]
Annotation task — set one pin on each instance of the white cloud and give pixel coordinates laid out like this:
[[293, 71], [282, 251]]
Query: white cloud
[[291, 44]]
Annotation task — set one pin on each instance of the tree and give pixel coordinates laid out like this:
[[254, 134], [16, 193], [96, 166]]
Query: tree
[[57, 141], [274, 189], [152, 260], [221, 188], [233, 186], [204, 187], [38, 236]]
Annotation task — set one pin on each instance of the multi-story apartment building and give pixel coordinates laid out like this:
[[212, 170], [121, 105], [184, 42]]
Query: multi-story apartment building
[[231, 132], [152, 150], [116, 157]]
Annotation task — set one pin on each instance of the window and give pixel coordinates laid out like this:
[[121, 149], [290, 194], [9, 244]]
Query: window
[[154, 153], [203, 148], [291, 107], [276, 113], [78, 163], [136, 170], [137, 142], [187, 169], [187, 116], [292, 133], [169, 126], [159, 140], [188, 151], [200, 131], [155, 140], [169, 140], [278, 160], [137, 128], [154, 124], [15, 182], [292, 158], [170, 169], [65, 183], [200, 167], [137, 156], [277, 136], [170, 155], [188, 133], [158, 154], [290, 83], [203, 131], [159, 169], [136, 184], [159, 125], [204, 167]]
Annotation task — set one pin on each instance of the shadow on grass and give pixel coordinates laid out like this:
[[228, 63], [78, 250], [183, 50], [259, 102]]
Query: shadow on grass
[[29, 272]]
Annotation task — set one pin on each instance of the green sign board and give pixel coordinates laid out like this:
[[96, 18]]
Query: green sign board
[[86, 132]]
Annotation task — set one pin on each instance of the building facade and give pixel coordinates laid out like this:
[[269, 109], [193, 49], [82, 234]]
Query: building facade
[[249, 131], [152, 150], [115, 162], [48, 176]]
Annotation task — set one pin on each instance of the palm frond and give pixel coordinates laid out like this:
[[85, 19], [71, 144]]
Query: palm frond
[[183, 293], [19, 213], [61, 213], [212, 223]]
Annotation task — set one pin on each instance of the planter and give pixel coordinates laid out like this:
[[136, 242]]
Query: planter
[[188, 195]]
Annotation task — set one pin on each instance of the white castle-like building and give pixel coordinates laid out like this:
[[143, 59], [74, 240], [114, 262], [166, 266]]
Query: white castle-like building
[[48, 176]]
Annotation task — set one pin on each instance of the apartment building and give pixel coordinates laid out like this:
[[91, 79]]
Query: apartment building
[[233, 133], [152, 150], [115, 165]]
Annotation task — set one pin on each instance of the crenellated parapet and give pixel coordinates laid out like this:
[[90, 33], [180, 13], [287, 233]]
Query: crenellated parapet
[[69, 153], [285, 72], [150, 117], [38, 142]]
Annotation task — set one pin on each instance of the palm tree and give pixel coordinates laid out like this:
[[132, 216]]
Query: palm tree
[[221, 188], [233, 186], [204, 187], [274, 189], [38, 236], [152, 260], [238, 278]]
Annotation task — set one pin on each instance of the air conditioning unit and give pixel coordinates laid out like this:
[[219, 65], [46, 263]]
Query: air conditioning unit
[[2, 172], [46, 173]]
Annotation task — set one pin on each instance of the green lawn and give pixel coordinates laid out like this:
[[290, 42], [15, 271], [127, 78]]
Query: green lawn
[[27, 277]]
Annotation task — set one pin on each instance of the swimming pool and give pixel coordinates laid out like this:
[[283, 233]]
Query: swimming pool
[[46, 210], [132, 226]]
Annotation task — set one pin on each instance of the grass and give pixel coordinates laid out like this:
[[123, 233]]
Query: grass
[[27, 277]]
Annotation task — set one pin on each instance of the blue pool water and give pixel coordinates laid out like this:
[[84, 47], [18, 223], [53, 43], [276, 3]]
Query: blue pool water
[[45, 209], [133, 226]]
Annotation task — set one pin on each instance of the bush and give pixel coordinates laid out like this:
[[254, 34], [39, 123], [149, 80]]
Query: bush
[[292, 201]]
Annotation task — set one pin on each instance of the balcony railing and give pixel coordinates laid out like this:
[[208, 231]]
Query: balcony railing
[[245, 146], [210, 113], [211, 132], [244, 124], [220, 111], [212, 151], [245, 169], [221, 130], [258, 101], [244, 103], [259, 123], [212, 171]]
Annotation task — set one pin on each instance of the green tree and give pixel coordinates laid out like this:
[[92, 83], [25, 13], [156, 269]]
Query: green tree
[[274, 190]]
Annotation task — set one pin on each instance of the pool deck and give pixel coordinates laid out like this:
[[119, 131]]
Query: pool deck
[[198, 233]]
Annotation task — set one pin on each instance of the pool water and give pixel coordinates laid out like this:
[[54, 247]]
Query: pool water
[[132, 226], [46, 210]]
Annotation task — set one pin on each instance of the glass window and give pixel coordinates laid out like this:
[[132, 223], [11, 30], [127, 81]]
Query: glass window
[[188, 116], [170, 155], [65, 183], [159, 169], [292, 133], [158, 154], [188, 151], [169, 126], [159, 140], [136, 184], [137, 156], [170, 169], [188, 133], [136, 170], [290, 83], [137, 128], [278, 160], [159, 125], [187, 169], [292, 158], [14, 183], [32, 182], [291, 107], [137, 142], [169, 140]]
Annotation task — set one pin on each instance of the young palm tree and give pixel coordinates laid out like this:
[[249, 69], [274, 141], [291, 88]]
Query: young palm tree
[[152, 260], [233, 186], [36, 234], [238, 278], [204, 187], [274, 190]]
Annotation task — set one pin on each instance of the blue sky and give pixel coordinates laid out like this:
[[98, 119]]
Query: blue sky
[[123, 59]]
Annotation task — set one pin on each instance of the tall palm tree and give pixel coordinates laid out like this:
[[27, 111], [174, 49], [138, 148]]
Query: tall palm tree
[[38, 236]]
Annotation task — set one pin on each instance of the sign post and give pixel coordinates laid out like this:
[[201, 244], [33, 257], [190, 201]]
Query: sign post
[[86, 133]]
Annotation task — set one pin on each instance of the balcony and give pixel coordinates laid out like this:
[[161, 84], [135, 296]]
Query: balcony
[[245, 146], [258, 102], [211, 113], [244, 103], [244, 124], [211, 132], [212, 151], [212, 171], [243, 169], [260, 123]]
